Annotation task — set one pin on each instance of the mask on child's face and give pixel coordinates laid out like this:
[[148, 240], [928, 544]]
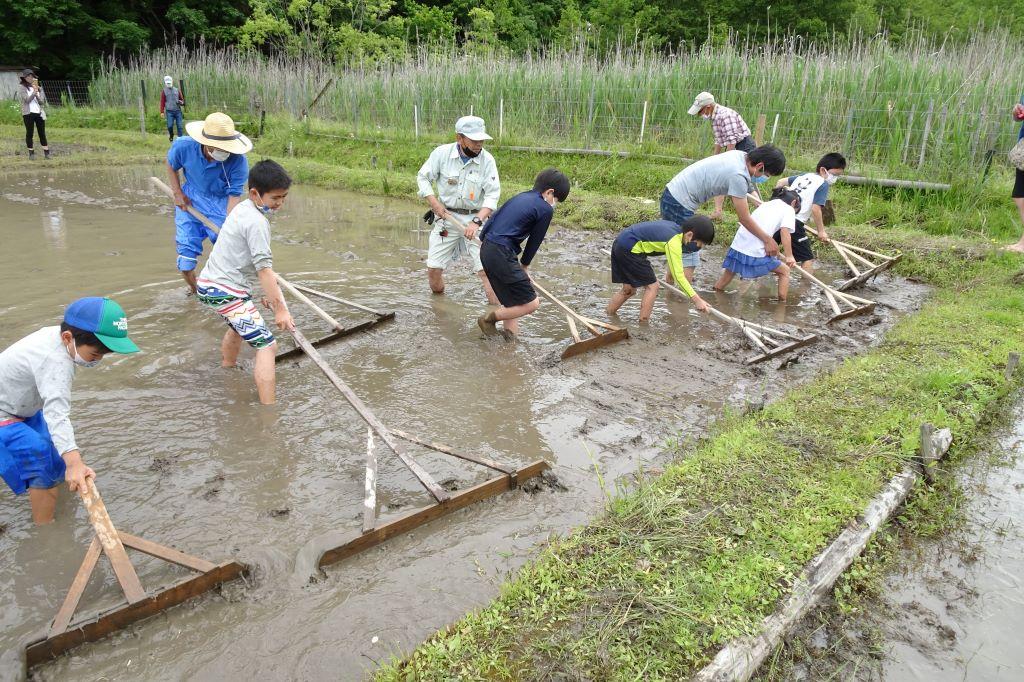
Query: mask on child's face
[[760, 179], [219, 155], [691, 246], [266, 210], [830, 179], [78, 359]]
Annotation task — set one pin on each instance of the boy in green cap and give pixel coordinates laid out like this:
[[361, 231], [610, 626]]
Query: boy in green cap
[[37, 442]]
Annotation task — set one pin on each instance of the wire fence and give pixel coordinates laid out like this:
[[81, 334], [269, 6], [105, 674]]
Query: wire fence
[[934, 138]]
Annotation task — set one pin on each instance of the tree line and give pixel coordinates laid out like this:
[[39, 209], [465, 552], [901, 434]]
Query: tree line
[[66, 38]]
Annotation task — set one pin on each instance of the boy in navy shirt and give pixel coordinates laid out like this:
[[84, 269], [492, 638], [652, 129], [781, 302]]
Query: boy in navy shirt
[[524, 216]]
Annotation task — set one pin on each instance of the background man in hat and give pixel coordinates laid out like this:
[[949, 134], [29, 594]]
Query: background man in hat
[[171, 102], [729, 129], [213, 159], [467, 186]]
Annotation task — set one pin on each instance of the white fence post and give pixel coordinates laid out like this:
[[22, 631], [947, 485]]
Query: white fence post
[[501, 117], [416, 120], [643, 123]]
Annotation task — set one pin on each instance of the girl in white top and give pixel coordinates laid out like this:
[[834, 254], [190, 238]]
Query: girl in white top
[[746, 256]]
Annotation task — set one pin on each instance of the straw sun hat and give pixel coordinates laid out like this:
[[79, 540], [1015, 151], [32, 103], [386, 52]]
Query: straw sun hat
[[218, 130]]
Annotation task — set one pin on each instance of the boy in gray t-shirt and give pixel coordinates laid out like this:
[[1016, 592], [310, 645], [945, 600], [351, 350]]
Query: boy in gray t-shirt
[[732, 173], [242, 253]]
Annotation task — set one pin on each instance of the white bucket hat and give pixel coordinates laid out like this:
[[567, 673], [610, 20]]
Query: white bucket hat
[[473, 128], [218, 130], [701, 101]]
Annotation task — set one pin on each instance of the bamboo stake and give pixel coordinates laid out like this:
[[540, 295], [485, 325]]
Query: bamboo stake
[[370, 497]]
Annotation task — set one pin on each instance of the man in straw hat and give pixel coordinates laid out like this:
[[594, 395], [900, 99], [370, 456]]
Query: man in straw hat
[[213, 159], [468, 188]]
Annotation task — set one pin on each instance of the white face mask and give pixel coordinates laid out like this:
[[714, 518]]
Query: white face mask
[[219, 155], [830, 179], [706, 117], [78, 359]]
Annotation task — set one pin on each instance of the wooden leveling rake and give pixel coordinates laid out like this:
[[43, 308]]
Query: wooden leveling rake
[[339, 331], [65, 633], [445, 502], [843, 304], [861, 267], [769, 340]]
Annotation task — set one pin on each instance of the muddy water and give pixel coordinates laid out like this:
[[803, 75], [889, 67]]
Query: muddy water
[[959, 613], [187, 458]]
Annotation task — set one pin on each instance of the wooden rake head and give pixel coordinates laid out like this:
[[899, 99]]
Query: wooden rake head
[[862, 267], [603, 334], [65, 634], [843, 305]]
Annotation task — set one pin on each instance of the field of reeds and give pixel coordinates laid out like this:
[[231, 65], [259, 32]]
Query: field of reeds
[[915, 110]]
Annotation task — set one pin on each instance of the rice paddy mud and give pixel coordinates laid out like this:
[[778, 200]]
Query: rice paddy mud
[[186, 457]]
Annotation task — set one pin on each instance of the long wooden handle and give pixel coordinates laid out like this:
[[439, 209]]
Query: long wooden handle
[[568, 311], [842, 295], [161, 185], [338, 299], [863, 250], [305, 299], [111, 542], [439, 493]]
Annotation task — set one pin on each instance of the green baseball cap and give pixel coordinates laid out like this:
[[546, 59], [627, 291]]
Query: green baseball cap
[[104, 318]]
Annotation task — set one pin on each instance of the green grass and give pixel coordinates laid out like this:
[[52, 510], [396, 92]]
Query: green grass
[[701, 554]]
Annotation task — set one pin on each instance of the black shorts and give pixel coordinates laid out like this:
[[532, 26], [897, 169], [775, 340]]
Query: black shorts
[[631, 268], [1018, 186], [801, 243], [509, 281]]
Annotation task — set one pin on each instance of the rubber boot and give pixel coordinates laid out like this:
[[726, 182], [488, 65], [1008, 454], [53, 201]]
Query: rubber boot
[[170, 134], [46, 153], [31, 154]]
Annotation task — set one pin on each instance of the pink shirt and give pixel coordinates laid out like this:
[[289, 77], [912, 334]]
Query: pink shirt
[[728, 126]]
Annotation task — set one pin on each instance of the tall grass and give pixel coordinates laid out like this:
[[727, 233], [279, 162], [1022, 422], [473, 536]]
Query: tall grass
[[880, 103]]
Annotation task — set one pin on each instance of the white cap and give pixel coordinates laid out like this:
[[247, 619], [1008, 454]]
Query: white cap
[[168, 81], [473, 128], [702, 100]]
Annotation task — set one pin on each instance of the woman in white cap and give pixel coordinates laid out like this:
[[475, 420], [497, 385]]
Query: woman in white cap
[[32, 99], [213, 160], [171, 102], [467, 186]]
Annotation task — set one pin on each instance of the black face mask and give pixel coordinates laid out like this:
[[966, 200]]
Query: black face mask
[[468, 153], [691, 247]]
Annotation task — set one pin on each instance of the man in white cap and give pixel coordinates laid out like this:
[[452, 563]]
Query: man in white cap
[[213, 160], [467, 186], [171, 102], [729, 129]]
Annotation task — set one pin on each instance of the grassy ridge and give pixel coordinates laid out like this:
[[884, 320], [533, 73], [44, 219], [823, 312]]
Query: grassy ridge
[[608, 192], [701, 554]]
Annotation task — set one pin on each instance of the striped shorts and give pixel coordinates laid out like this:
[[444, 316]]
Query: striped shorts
[[238, 310]]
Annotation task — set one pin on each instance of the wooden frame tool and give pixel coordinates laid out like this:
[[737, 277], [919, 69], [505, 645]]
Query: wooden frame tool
[[843, 304], [769, 340], [445, 502], [299, 291], [861, 267], [65, 633], [600, 338]]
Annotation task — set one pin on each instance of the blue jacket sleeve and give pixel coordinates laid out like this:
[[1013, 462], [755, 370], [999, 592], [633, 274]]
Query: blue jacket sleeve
[[237, 175], [537, 234], [174, 157]]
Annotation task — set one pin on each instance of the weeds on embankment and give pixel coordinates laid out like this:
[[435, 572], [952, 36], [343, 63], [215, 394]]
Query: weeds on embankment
[[688, 560]]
